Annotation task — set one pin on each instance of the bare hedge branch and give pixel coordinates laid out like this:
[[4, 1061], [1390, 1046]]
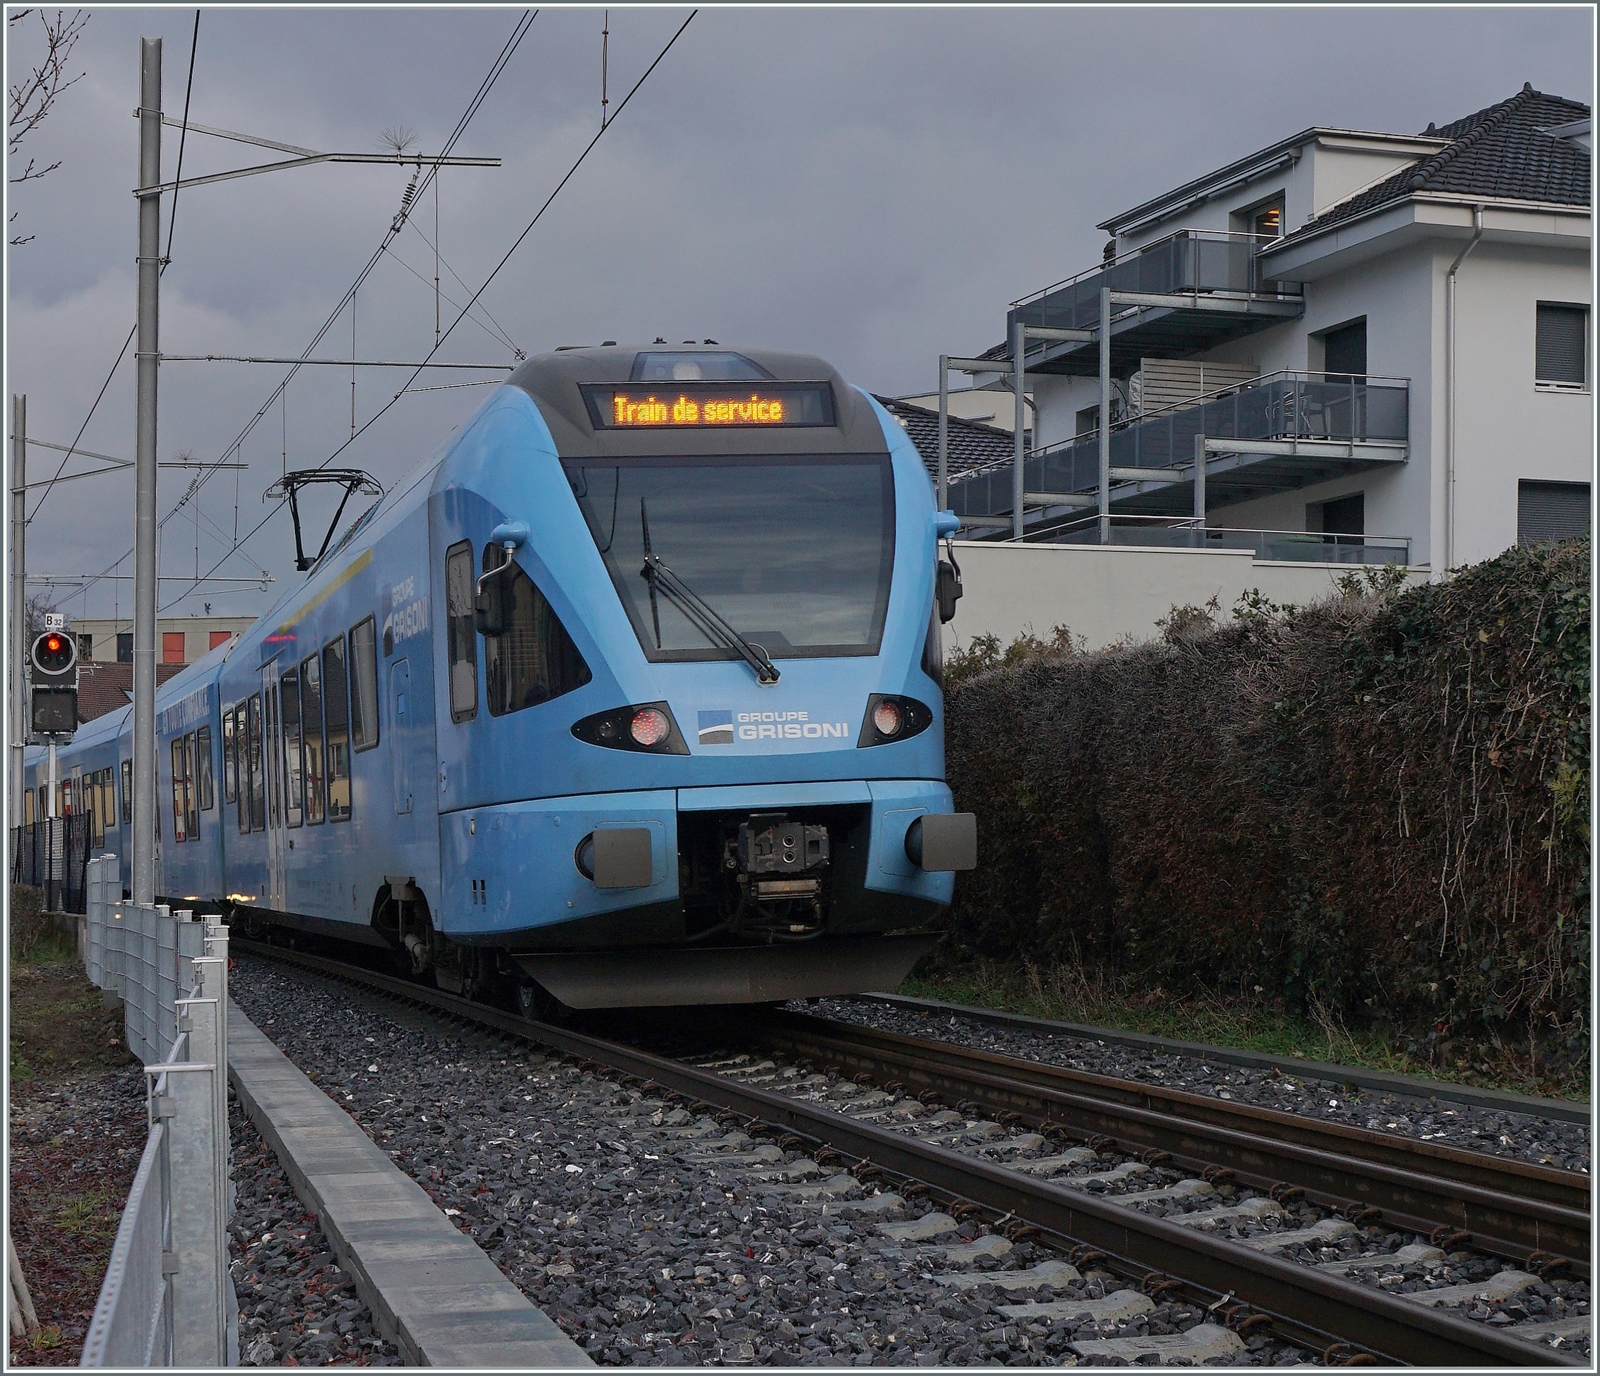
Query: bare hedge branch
[[1374, 805]]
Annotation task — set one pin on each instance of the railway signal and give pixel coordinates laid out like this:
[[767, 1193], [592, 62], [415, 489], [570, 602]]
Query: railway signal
[[55, 684]]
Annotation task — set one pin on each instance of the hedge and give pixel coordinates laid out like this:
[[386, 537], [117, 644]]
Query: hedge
[[1376, 804]]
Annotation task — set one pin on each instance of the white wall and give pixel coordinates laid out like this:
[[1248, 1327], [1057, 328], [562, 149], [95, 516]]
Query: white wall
[[1107, 592], [1506, 429]]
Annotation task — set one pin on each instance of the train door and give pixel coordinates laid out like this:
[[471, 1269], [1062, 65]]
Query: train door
[[400, 750], [277, 844]]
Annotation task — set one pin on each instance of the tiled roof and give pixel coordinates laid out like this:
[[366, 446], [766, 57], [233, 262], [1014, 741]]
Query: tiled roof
[[971, 443], [1500, 152], [105, 687]]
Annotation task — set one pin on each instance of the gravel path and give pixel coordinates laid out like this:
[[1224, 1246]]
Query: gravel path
[[296, 1307], [656, 1236], [1539, 1140]]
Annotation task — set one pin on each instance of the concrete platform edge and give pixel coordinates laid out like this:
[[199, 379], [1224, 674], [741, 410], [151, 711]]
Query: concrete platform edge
[[536, 1341]]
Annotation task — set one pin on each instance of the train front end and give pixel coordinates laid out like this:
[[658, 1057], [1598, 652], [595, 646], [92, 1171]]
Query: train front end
[[703, 583]]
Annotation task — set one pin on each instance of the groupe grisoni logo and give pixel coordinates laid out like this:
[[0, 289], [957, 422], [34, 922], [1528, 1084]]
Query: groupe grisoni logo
[[722, 726]]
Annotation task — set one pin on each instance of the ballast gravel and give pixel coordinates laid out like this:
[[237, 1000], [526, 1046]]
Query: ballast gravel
[[626, 1219], [296, 1307], [1526, 1137]]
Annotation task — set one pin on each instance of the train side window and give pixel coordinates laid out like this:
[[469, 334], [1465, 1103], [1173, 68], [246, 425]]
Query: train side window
[[127, 793], [289, 695], [311, 721], [364, 684], [258, 776], [202, 764], [27, 807], [241, 752], [336, 711], [458, 592], [179, 807], [191, 792], [533, 659], [230, 773]]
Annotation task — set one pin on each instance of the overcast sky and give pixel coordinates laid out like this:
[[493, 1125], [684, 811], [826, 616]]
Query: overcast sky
[[873, 185]]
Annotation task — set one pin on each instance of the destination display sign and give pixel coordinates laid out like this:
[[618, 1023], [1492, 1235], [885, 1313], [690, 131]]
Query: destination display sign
[[709, 406]]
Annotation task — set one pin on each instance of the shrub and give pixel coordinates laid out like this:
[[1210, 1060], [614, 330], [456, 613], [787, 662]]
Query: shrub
[[1376, 804]]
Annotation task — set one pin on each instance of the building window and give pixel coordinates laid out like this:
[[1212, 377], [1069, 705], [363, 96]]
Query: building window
[[1551, 511], [124, 647], [1267, 221], [85, 646], [220, 638], [1339, 516], [1344, 350], [1561, 346], [172, 647]]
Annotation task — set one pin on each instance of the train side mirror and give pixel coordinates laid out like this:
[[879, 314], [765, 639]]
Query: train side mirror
[[488, 609], [949, 589]]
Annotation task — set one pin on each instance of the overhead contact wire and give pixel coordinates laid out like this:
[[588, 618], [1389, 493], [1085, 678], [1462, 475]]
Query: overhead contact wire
[[516, 244]]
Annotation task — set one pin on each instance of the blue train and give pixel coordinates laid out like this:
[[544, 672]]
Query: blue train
[[630, 695]]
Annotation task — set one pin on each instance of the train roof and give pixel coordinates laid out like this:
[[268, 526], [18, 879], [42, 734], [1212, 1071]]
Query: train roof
[[558, 381]]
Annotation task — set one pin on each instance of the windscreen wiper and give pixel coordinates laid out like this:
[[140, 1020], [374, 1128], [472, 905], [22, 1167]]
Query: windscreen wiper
[[705, 618]]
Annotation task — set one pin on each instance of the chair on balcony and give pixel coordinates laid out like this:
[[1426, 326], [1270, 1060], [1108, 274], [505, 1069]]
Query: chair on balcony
[[1298, 414]]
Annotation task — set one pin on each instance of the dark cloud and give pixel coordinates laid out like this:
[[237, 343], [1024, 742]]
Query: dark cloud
[[873, 185]]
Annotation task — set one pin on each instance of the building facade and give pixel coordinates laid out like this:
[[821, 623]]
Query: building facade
[[1381, 344], [179, 639]]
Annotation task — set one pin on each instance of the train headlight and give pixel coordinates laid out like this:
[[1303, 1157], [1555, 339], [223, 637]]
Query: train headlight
[[649, 727], [644, 726], [892, 717]]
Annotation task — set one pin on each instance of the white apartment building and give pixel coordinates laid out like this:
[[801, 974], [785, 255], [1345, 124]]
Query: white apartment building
[[1382, 343]]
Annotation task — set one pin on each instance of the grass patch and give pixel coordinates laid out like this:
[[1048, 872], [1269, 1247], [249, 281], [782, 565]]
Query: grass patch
[[34, 938], [1244, 1019], [60, 1026]]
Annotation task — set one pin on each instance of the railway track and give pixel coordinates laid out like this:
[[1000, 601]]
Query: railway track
[[1248, 1288], [1505, 1207]]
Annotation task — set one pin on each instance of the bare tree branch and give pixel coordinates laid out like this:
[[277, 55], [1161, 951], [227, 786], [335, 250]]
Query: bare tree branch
[[32, 98]]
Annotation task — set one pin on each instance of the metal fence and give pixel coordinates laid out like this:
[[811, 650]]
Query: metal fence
[[1280, 407], [53, 855], [1192, 260], [167, 1299]]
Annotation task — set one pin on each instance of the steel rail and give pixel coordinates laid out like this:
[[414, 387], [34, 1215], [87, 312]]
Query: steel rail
[[1506, 1206], [1299, 1298], [1382, 1082]]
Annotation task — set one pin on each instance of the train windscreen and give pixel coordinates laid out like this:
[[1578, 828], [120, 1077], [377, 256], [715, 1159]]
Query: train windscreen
[[795, 553]]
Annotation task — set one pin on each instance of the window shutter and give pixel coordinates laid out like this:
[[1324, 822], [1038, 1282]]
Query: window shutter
[[1551, 511], [1560, 347]]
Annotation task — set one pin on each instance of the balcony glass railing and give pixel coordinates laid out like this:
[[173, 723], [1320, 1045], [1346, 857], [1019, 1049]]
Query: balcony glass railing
[[1280, 406], [1276, 546], [1192, 260]]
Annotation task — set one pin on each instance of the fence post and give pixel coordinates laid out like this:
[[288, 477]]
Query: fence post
[[199, 1238], [164, 984]]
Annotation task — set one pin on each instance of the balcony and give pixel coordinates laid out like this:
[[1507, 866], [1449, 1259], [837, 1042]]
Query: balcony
[[1276, 433], [1274, 546], [1226, 296]]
